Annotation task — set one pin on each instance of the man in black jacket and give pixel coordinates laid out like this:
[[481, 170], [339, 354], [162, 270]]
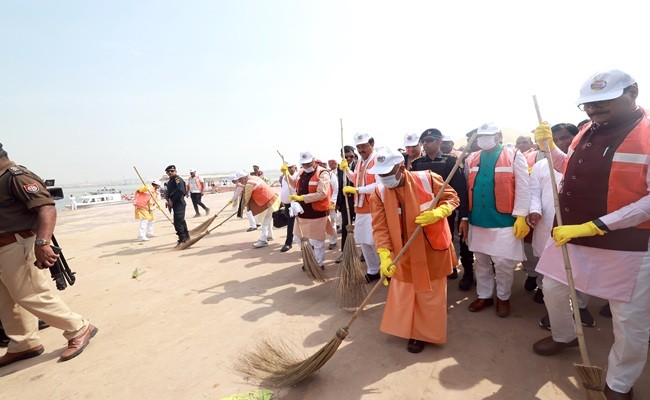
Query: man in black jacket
[[341, 204], [176, 191]]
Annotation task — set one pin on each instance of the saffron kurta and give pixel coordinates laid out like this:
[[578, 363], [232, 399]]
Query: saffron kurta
[[416, 307]]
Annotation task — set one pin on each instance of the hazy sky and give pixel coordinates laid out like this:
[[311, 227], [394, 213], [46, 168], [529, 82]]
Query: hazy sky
[[88, 89]]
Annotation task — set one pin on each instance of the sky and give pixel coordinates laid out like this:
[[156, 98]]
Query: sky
[[90, 89]]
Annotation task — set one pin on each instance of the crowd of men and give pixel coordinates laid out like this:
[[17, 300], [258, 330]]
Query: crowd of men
[[497, 196]]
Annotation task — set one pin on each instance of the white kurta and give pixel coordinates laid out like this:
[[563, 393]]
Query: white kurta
[[541, 202]]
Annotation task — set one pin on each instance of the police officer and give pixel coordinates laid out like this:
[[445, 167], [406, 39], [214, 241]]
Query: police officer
[[176, 191], [27, 219]]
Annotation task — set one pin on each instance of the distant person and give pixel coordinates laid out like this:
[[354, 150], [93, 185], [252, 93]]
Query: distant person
[[334, 184], [413, 149], [286, 190], [259, 198], [73, 202], [145, 204], [343, 200], [447, 147], [176, 191], [196, 187], [257, 171], [27, 221]]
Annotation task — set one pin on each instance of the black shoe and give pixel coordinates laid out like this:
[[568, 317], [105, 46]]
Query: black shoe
[[454, 274], [362, 258], [530, 284], [285, 248], [251, 229], [545, 322], [538, 297], [466, 282], [332, 246], [586, 318], [207, 211], [339, 260], [42, 325], [197, 215], [258, 225], [371, 277], [605, 311]]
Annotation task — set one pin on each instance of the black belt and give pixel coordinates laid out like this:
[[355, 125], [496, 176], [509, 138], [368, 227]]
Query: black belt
[[11, 238]]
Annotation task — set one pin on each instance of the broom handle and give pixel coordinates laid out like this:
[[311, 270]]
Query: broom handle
[[565, 252], [222, 222], [152, 196], [345, 196], [415, 232]]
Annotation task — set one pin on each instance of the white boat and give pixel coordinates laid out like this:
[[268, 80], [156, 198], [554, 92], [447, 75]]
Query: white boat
[[102, 198]]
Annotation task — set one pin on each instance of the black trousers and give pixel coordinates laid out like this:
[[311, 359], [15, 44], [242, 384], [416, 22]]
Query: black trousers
[[290, 221], [179, 221], [196, 202], [466, 256], [345, 222]]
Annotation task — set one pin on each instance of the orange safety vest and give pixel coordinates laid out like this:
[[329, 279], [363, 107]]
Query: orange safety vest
[[141, 198], [504, 179], [627, 178], [262, 194], [531, 157], [199, 183], [322, 204], [361, 178], [438, 235]]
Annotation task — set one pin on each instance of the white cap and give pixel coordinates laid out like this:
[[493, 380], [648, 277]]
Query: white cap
[[447, 138], [385, 161], [156, 182], [488, 129], [411, 139], [239, 174], [604, 85], [361, 138], [192, 170], [306, 157]]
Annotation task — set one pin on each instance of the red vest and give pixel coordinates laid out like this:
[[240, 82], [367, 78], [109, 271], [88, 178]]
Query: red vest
[[322, 204], [362, 178], [627, 177], [262, 194], [504, 179]]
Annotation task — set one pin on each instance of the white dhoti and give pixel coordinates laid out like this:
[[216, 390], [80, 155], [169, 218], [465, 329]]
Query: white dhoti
[[363, 237]]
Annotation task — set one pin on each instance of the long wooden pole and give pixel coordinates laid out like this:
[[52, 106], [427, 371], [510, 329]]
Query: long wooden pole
[[345, 196]]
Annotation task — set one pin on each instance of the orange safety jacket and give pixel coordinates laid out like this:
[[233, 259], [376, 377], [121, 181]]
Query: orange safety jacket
[[438, 234], [142, 198], [261, 195], [627, 177], [361, 178], [322, 204], [504, 179]]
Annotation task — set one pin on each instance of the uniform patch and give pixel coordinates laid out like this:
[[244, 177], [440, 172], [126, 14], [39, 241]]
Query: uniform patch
[[31, 188], [15, 170]]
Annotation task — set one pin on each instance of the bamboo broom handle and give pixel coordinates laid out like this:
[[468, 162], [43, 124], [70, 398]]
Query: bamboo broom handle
[[417, 230], [565, 251], [345, 196]]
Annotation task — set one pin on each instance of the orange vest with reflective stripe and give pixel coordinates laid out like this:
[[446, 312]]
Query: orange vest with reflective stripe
[[504, 179], [361, 178], [262, 193], [627, 178], [438, 234], [322, 204]]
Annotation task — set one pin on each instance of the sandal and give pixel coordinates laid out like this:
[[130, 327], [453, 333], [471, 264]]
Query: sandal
[[415, 346]]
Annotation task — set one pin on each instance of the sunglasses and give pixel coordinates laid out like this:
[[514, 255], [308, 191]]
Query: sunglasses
[[171, 170]]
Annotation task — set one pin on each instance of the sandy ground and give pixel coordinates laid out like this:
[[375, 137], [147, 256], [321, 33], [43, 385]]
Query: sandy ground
[[174, 332]]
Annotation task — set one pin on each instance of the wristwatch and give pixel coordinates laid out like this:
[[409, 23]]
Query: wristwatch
[[41, 242]]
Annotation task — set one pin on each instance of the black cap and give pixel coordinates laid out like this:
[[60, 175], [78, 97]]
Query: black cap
[[470, 133], [170, 167], [432, 133]]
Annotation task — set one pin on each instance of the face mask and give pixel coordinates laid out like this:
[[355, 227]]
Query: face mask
[[486, 142], [390, 181], [309, 170]]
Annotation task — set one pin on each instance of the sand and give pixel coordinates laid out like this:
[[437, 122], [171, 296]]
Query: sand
[[175, 331]]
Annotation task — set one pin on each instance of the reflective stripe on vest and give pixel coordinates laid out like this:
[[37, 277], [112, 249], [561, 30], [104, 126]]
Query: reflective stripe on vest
[[504, 179], [362, 178], [312, 187]]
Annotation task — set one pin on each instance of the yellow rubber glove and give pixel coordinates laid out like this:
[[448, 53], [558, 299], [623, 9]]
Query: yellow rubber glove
[[385, 264], [433, 216], [349, 190], [542, 133], [229, 203], [562, 234], [343, 166], [297, 197], [284, 169], [332, 205], [521, 228]]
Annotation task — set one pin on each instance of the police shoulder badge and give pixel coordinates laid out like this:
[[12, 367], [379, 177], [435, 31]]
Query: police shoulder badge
[[31, 188], [15, 170]]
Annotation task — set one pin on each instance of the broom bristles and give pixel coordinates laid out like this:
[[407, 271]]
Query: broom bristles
[[204, 225], [311, 264], [193, 240], [278, 365], [593, 380], [351, 289]]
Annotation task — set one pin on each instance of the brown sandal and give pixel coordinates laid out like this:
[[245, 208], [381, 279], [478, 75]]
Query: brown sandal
[[415, 346]]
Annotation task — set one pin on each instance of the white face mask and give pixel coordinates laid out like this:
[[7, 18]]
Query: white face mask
[[309, 170], [391, 181], [486, 142]]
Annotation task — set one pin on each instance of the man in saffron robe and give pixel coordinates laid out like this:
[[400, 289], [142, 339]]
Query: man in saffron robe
[[416, 308]]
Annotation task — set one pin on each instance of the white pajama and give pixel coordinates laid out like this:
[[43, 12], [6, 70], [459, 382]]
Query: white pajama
[[505, 272], [319, 250], [267, 227]]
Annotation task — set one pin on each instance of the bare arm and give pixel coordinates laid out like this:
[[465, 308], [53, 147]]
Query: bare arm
[[45, 222]]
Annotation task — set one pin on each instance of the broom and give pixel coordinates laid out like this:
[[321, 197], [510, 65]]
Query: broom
[[591, 376], [193, 240], [310, 264], [351, 288], [205, 224], [278, 365], [152, 195]]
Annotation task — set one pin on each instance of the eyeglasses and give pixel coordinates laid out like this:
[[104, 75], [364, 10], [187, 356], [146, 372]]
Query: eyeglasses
[[349, 157], [594, 104], [171, 170]]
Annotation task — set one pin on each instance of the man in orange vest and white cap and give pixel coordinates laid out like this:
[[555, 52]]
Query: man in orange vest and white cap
[[364, 186], [497, 178], [313, 192], [259, 198], [605, 208], [416, 308]]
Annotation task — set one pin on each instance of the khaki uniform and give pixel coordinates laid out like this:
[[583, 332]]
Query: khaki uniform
[[25, 291]]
